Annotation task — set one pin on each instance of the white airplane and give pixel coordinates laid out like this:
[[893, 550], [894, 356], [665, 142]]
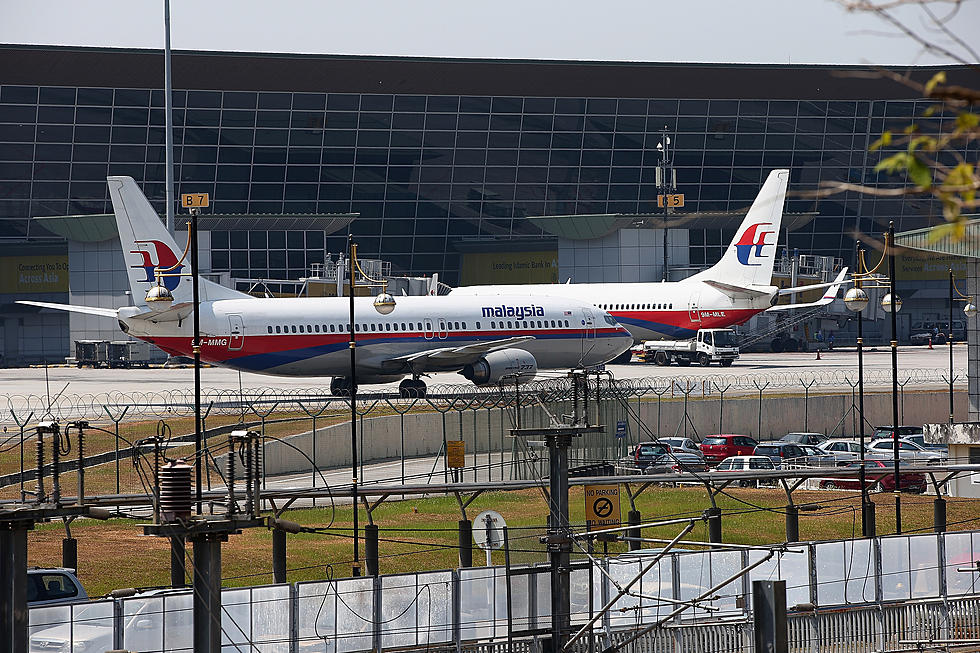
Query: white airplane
[[488, 340], [726, 294]]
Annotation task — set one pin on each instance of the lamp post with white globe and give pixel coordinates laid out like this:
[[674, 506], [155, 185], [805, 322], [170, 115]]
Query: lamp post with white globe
[[856, 300], [384, 304], [892, 304]]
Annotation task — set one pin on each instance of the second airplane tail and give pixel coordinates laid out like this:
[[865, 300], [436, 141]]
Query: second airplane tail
[[751, 255]]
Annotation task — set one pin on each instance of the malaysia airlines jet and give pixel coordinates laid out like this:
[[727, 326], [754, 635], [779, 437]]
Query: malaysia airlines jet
[[488, 340], [729, 293]]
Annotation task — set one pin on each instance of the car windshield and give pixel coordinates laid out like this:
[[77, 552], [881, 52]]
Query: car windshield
[[725, 339], [714, 441], [652, 450]]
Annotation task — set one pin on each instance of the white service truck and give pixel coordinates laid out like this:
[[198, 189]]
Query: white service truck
[[709, 346]]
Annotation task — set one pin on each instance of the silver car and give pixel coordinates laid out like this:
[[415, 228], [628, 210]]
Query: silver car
[[683, 445], [907, 450]]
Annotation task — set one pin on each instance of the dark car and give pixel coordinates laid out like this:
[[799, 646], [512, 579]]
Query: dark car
[[879, 473], [780, 452], [718, 447], [813, 439], [913, 433]]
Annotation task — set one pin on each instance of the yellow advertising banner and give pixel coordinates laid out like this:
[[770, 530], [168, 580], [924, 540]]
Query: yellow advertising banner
[[927, 267], [33, 274], [509, 267]]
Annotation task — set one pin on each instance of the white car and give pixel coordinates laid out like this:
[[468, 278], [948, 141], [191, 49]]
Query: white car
[[745, 464], [683, 445], [907, 450]]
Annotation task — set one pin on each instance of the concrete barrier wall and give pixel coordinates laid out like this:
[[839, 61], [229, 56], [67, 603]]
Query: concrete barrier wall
[[422, 434]]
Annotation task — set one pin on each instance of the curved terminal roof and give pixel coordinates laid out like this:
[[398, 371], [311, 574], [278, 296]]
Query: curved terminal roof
[[102, 226], [586, 227], [924, 240]]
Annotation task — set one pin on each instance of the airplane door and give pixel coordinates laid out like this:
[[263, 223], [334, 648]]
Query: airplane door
[[590, 326], [427, 329], [693, 312], [443, 329], [237, 339]]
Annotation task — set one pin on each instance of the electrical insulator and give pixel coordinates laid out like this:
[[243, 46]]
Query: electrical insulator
[[176, 495]]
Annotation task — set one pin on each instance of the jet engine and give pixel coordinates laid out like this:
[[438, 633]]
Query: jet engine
[[505, 365]]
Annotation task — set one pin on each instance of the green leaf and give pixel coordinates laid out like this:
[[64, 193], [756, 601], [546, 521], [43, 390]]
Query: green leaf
[[966, 121], [910, 129], [894, 163], [885, 140], [931, 111], [927, 142], [961, 175], [919, 172], [939, 232], [938, 78]]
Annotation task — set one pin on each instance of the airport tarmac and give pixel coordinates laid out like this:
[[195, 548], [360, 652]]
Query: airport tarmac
[[760, 366]]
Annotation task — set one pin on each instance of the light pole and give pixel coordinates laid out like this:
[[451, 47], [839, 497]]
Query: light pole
[[949, 339], [892, 303], [384, 304], [856, 300], [666, 169]]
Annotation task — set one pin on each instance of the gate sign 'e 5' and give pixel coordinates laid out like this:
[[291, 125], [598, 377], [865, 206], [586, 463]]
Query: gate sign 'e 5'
[[194, 200], [602, 505]]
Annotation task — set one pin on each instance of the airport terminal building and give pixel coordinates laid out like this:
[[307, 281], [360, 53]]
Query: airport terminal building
[[451, 166]]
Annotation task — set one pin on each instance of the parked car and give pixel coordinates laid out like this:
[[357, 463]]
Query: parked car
[[718, 447], [843, 450], [817, 457], [922, 332], [907, 450], [880, 474], [53, 585], [658, 458], [913, 433], [744, 464], [779, 452], [804, 438], [682, 445]]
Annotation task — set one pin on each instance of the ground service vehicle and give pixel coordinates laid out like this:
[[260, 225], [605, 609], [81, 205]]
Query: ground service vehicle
[[709, 346], [718, 447]]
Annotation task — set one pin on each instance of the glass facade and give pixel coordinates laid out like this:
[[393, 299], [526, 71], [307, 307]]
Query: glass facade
[[433, 174]]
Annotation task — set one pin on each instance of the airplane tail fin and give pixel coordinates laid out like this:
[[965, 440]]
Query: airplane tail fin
[[750, 256], [148, 246]]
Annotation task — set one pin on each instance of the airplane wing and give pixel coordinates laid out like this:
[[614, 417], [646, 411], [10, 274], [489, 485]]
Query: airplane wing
[[74, 308], [736, 291], [447, 358], [829, 296], [838, 281]]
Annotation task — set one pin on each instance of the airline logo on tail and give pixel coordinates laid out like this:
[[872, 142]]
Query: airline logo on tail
[[165, 258], [752, 237]]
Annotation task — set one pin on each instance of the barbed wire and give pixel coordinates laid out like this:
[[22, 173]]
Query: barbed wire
[[179, 402]]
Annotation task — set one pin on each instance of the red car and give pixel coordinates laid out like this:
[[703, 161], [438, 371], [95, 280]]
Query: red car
[[718, 447], [880, 473]]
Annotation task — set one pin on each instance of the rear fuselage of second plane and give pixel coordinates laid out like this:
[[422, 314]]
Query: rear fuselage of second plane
[[650, 311], [309, 336]]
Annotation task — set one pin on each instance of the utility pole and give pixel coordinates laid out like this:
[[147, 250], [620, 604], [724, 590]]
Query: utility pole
[[559, 538]]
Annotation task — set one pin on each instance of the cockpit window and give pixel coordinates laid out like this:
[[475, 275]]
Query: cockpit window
[[610, 320]]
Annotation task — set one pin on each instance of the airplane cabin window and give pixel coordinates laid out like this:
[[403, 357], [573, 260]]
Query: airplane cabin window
[[294, 328], [331, 328], [309, 328], [270, 329], [387, 326], [403, 326], [509, 324]]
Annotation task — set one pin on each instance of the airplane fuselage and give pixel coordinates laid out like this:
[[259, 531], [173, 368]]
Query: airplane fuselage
[[310, 337], [650, 311]]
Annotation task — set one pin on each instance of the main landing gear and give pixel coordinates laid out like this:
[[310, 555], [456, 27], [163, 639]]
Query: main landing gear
[[340, 386], [413, 388]]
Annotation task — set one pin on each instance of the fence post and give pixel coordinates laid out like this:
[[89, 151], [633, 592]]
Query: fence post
[[21, 425], [760, 389], [721, 406]]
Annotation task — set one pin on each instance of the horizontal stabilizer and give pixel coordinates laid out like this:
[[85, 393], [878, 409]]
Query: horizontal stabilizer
[[74, 308], [736, 291], [816, 286], [829, 296], [175, 313]]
